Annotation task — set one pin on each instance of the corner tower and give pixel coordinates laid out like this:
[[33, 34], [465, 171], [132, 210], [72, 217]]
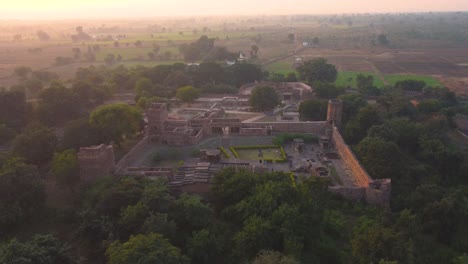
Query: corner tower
[[157, 115], [335, 112]]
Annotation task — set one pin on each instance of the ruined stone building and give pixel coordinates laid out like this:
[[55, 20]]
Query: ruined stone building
[[95, 162], [98, 161]]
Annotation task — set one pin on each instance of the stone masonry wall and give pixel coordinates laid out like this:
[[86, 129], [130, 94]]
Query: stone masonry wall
[[348, 157], [291, 127], [128, 159]]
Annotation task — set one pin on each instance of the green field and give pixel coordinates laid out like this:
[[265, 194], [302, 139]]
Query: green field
[[429, 80], [348, 79], [127, 53], [280, 67]]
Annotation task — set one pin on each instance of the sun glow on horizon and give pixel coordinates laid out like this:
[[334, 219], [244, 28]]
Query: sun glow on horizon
[[32, 9]]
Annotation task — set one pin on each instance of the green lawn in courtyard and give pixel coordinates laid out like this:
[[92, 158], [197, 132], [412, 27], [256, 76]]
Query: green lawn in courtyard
[[259, 152]]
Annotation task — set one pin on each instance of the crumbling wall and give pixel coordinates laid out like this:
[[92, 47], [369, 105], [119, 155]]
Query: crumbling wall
[[95, 162]]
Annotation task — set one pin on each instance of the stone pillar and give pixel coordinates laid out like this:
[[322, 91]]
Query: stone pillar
[[335, 112]]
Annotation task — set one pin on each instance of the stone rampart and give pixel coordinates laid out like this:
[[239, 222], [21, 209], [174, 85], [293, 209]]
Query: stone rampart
[[375, 192], [317, 127], [129, 158], [351, 193], [348, 157]]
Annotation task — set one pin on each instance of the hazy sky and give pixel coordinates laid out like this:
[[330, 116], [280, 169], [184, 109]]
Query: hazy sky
[[130, 8]]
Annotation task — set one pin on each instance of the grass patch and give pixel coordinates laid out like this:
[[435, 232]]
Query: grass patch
[[280, 67], [127, 53], [272, 153], [224, 151], [429, 80], [348, 79]]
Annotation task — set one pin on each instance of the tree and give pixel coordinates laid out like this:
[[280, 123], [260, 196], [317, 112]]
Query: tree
[[365, 84], [351, 105], [42, 35], [411, 85], [22, 194], [36, 144], [429, 106], [291, 37], [65, 168], [208, 72], [255, 49], [58, 104], [78, 133], [317, 70], [313, 110], [187, 94], [115, 121], [144, 88], [177, 78], [208, 245], [264, 98], [327, 90], [109, 59], [316, 41], [242, 73], [356, 128], [190, 213], [382, 39], [40, 249], [88, 94], [273, 257], [23, 72], [379, 157], [13, 108], [151, 248]]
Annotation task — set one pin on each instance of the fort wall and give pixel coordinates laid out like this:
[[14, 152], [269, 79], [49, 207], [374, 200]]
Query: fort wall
[[95, 162], [347, 155], [375, 192], [317, 127], [129, 158]]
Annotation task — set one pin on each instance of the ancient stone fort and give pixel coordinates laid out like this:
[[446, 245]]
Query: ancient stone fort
[[97, 161]]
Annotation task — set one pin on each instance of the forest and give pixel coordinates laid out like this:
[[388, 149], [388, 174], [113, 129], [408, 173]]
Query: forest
[[245, 218]]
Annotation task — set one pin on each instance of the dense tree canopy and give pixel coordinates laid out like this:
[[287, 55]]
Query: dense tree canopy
[[36, 144], [313, 110], [151, 248], [112, 122], [317, 70], [41, 249], [21, 194], [264, 98], [13, 108], [65, 168], [187, 94], [58, 104], [327, 90]]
